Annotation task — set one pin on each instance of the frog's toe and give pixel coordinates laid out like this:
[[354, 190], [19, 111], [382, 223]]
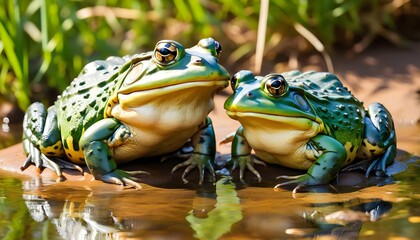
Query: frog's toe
[[68, 165], [251, 168], [121, 177], [202, 162], [293, 180], [247, 162], [41, 161], [301, 181]]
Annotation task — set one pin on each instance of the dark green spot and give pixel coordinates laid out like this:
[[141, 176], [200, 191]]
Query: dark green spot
[[102, 84]]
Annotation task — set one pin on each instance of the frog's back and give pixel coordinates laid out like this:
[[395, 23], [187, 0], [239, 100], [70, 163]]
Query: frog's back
[[84, 101], [322, 85], [340, 111]]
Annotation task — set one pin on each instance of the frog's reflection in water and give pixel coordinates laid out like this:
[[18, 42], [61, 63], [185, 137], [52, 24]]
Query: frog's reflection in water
[[213, 211]]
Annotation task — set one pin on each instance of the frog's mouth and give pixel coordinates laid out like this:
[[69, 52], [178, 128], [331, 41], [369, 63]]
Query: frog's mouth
[[303, 121], [192, 89]]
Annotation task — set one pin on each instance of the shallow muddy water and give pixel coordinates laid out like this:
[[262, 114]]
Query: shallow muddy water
[[34, 206], [353, 207]]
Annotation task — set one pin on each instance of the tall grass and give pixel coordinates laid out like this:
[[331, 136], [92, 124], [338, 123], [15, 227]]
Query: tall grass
[[45, 43]]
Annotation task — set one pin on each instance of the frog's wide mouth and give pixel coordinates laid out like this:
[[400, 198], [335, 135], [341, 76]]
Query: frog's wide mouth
[[174, 86], [272, 117], [186, 91]]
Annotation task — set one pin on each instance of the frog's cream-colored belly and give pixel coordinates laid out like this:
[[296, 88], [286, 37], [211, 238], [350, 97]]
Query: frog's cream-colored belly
[[148, 143], [299, 159], [163, 125], [281, 145]]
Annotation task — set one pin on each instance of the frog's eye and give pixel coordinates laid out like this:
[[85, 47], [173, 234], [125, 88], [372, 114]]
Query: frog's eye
[[165, 53], [233, 81], [218, 47], [276, 85]]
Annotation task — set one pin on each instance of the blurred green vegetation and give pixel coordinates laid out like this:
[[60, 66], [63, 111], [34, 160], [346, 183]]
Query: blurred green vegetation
[[45, 43]]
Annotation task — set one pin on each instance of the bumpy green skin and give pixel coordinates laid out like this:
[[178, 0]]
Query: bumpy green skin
[[314, 123], [122, 109]]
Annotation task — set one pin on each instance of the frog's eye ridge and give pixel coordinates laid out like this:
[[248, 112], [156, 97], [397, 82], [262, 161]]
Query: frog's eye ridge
[[276, 85], [165, 53]]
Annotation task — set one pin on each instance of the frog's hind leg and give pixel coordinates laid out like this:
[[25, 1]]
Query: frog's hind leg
[[379, 141], [42, 140]]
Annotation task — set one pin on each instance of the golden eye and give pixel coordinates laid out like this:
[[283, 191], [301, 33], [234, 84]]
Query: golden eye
[[276, 85], [165, 53]]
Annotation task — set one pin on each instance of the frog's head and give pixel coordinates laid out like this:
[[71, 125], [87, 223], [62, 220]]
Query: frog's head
[[170, 83], [172, 69], [269, 100]]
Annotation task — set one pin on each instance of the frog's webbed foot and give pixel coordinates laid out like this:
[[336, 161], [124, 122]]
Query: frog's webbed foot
[[124, 178], [302, 181], [41, 161], [201, 161], [246, 162], [379, 165]]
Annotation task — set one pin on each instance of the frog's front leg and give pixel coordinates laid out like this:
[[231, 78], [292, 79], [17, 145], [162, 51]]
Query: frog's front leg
[[241, 155], [203, 154], [96, 141], [325, 168], [379, 141], [42, 140]]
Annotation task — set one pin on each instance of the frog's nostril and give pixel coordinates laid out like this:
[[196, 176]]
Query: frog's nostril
[[249, 94], [197, 61]]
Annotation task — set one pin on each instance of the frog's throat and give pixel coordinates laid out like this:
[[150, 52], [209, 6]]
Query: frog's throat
[[141, 97], [289, 120]]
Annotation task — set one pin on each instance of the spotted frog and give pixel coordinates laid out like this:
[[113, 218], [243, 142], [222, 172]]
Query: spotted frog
[[122, 109], [307, 121]]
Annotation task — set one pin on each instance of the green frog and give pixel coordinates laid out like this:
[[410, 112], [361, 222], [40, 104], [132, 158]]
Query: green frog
[[126, 108], [307, 121]]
